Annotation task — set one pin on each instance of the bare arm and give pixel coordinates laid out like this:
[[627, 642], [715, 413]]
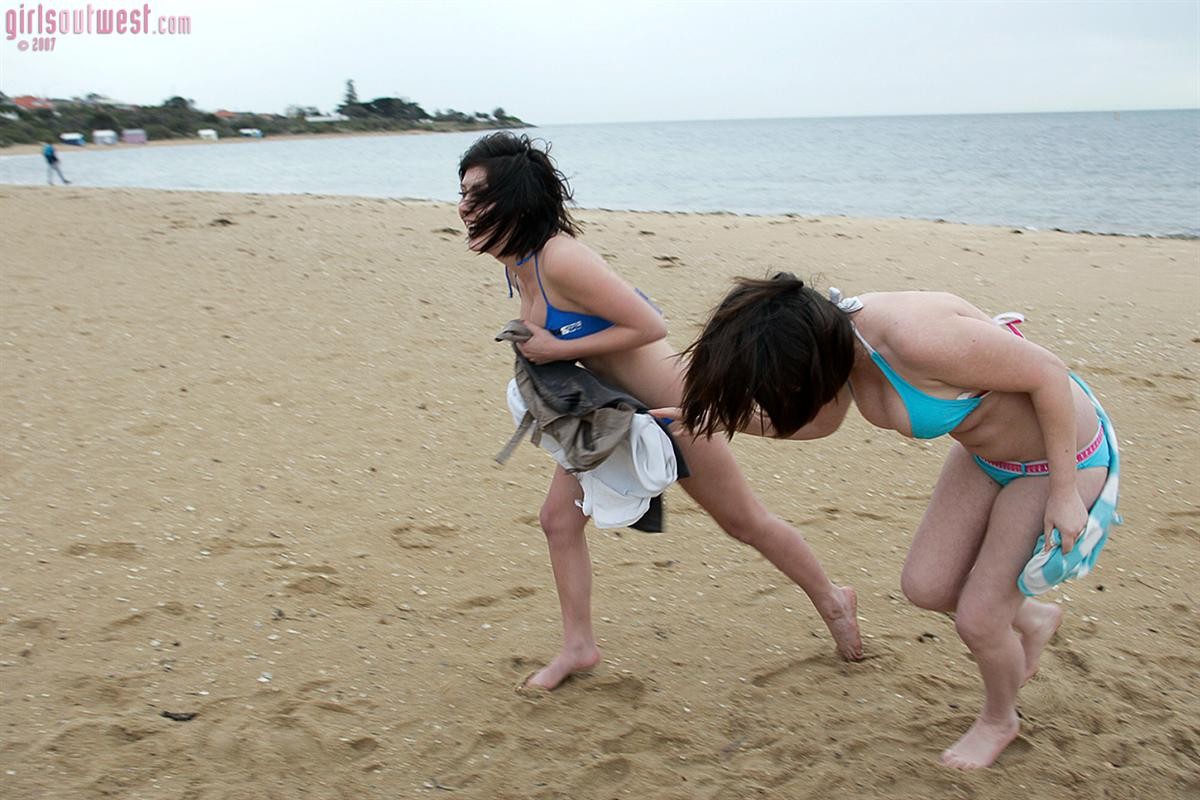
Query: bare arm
[[582, 278], [965, 351]]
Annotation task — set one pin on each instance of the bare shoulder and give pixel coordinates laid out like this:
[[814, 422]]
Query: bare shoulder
[[917, 326], [565, 253], [916, 310]]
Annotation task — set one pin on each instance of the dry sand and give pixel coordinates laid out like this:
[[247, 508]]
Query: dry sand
[[246, 473]]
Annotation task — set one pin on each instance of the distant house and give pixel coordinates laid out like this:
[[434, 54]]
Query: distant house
[[104, 137], [207, 134], [223, 114], [31, 103], [335, 117], [75, 139], [133, 136]]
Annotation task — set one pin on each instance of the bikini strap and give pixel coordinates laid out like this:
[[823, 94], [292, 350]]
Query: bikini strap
[[508, 276], [1010, 320], [538, 272], [850, 305], [865, 343]]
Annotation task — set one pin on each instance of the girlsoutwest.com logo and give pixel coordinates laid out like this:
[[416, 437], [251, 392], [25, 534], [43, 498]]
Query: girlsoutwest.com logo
[[38, 28]]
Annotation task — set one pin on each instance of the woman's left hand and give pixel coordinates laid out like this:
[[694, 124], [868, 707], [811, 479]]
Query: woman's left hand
[[542, 347], [1068, 514]]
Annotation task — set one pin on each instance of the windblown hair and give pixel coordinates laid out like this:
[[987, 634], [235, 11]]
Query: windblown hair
[[524, 200], [772, 346]]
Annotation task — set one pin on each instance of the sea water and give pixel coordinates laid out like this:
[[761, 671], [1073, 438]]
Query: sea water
[[1134, 172]]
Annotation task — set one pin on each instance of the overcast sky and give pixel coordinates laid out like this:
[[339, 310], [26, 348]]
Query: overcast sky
[[558, 61]]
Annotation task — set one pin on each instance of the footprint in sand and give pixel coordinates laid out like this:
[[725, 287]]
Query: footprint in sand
[[485, 600], [314, 584], [414, 536], [644, 739], [625, 688], [463, 768], [790, 672], [606, 775], [1076, 660], [105, 549]]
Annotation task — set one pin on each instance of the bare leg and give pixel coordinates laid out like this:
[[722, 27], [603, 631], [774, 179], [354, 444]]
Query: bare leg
[[720, 488], [946, 545], [1036, 623], [563, 524], [951, 532], [989, 607]]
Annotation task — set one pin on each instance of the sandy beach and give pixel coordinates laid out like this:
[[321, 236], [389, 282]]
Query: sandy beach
[[246, 481]]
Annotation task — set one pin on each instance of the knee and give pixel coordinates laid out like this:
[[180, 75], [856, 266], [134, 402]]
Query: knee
[[752, 526], [978, 627], [924, 591], [559, 521]]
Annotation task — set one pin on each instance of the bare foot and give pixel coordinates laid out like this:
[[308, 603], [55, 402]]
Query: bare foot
[[563, 665], [842, 619], [1038, 624], [983, 742]]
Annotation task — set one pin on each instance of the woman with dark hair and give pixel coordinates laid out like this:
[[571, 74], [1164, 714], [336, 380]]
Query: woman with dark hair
[[1034, 451], [514, 205]]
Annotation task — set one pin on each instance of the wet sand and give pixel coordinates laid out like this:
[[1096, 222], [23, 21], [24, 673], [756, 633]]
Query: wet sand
[[246, 473]]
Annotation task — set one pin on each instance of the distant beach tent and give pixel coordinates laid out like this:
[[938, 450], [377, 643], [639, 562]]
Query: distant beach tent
[[253, 133], [207, 134], [75, 139], [104, 137], [133, 136], [335, 117]]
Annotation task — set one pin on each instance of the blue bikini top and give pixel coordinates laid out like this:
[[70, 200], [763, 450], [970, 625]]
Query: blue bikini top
[[565, 324], [928, 416]]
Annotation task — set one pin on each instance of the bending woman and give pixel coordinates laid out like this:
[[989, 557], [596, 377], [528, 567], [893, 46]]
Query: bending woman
[[778, 359], [514, 207]]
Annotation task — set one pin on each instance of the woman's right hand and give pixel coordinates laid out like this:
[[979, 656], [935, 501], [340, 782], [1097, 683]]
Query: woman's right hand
[[541, 347]]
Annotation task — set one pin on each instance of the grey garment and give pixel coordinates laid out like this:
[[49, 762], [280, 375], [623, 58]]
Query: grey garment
[[585, 415]]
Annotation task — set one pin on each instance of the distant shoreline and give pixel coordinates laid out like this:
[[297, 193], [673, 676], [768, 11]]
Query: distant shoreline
[[66, 149], [1109, 178], [426, 201]]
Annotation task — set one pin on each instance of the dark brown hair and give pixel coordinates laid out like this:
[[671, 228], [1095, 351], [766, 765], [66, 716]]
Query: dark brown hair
[[524, 200], [772, 346]]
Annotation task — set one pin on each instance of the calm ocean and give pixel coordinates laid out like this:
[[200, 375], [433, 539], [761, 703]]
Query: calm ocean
[[1133, 173]]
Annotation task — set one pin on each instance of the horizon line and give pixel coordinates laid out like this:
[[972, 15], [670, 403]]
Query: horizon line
[[874, 116]]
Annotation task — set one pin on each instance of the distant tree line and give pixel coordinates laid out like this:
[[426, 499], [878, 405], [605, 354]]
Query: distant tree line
[[403, 110], [178, 118]]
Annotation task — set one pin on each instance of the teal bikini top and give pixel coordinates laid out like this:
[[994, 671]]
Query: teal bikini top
[[928, 416]]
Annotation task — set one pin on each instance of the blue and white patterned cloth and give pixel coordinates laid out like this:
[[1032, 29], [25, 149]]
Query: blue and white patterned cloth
[[1049, 568]]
